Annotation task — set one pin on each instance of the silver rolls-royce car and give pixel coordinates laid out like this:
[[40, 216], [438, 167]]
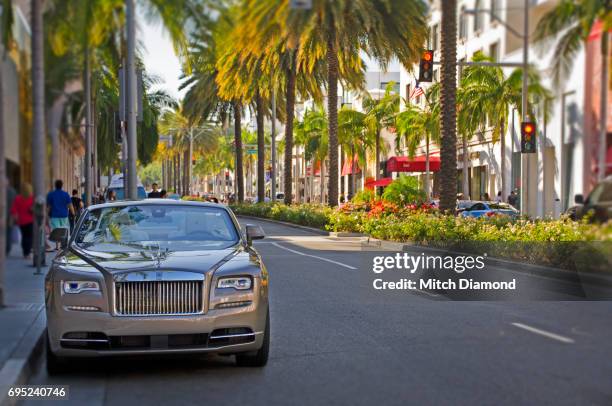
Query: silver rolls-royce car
[[157, 276]]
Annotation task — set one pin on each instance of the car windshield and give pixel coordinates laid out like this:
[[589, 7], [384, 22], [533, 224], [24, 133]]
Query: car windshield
[[500, 206], [171, 227]]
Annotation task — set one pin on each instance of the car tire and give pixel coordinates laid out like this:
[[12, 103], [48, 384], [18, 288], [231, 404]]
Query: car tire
[[257, 358], [55, 365]]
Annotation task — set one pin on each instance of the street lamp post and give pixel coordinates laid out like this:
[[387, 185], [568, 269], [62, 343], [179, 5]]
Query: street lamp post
[[525, 161], [132, 153]]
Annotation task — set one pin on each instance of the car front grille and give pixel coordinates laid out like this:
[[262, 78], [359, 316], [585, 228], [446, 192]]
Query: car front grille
[[158, 298]]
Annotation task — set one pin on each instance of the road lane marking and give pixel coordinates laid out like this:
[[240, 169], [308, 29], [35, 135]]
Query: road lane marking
[[313, 256], [553, 336]]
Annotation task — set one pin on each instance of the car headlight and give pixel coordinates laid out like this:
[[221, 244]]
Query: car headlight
[[72, 287], [238, 283]]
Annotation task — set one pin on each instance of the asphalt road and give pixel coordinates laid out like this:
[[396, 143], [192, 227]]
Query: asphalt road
[[335, 340]]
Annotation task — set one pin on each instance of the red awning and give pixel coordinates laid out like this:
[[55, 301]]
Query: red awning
[[371, 184], [416, 164], [347, 168]]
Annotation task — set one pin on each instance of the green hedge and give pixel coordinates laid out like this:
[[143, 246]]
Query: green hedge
[[563, 243], [305, 215]]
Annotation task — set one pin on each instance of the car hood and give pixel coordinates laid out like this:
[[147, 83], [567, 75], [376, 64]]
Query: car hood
[[115, 262]]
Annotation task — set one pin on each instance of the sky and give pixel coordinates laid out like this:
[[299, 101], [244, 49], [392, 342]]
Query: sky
[[159, 56]]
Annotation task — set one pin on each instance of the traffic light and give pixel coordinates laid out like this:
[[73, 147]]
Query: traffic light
[[426, 66], [528, 138]]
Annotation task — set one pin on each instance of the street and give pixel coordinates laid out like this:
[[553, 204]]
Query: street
[[335, 340]]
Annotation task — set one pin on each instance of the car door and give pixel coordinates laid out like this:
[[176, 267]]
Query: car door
[[477, 210], [599, 202]]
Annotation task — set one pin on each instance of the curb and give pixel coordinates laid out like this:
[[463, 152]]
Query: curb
[[305, 228], [19, 367], [521, 267]]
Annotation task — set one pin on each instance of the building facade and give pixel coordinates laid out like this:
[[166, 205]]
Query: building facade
[[567, 137]]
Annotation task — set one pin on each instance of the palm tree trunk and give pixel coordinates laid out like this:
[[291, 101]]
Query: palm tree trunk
[[448, 115], [465, 172], [377, 152], [322, 181], [603, 124], [39, 147], [186, 180], [353, 180], [332, 114], [3, 185], [261, 150], [291, 76], [427, 172], [238, 144], [504, 189]]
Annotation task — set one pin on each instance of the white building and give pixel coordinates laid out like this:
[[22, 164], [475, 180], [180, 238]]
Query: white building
[[562, 165]]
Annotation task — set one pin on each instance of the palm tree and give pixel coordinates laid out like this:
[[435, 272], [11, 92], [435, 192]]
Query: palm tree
[[335, 32], [382, 29], [6, 29], [312, 133], [575, 20], [355, 138], [203, 137], [416, 125], [292, 67], [380, 115], [448, 116], [487, 95], [203, 100]]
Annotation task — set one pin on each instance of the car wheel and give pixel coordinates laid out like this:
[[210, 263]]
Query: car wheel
[[257, 358], [55, 365]]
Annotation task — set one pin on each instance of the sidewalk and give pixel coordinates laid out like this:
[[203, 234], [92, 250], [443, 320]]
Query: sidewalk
[[22, 321]]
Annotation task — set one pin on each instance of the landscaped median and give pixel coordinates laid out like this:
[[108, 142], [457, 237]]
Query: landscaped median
[[561, 243]]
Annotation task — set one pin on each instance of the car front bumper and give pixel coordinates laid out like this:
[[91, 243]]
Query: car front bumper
[[102, 333]]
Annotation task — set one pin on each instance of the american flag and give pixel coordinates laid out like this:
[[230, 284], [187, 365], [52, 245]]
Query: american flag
[[416, 92]]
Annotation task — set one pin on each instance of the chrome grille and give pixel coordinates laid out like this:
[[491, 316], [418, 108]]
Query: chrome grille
[[158, 298]]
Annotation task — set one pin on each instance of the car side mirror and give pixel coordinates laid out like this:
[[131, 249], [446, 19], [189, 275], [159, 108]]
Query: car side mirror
[[579, 199], [254, 232], [59, 235]]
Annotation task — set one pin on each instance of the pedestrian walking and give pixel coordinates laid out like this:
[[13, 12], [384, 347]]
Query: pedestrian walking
[[77, 206], [60, 206], [22, 211], [513, 199], [154, 193], [498, 198]]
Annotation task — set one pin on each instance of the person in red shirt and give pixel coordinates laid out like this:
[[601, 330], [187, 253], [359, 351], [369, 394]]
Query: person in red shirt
[[22, 212]]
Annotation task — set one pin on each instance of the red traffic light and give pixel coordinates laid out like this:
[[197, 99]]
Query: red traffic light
[[528, 137], [428, 56]]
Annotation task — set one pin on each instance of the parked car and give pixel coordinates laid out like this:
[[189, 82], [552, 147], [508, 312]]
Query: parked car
[[463, 205], [116, 186], [157, 276], [479, 209], [598, 204]]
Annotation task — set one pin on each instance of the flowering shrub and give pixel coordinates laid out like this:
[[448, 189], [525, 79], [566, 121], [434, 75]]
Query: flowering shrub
[[549, 242]]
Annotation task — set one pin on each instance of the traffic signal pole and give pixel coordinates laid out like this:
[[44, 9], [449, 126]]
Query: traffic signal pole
[[525, 158]]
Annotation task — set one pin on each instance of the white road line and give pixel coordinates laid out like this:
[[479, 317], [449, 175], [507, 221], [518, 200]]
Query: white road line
[[313, 256], [553, 336]]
